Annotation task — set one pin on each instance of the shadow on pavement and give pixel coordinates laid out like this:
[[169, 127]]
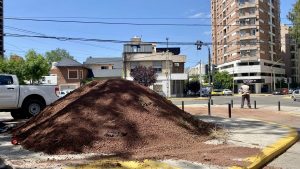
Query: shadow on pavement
[[3, 166]]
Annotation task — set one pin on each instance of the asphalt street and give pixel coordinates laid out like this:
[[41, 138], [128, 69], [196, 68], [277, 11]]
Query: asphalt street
[[269, 100]]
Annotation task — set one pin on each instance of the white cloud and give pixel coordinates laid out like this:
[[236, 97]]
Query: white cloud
[[207, 33], [197, 15]]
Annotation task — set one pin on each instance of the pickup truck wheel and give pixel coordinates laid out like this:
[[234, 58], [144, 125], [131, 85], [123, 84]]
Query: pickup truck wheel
[[18, 114], [33, 107]]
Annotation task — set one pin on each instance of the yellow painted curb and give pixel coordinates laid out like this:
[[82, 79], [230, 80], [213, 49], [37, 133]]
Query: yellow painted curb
[[119, 164], [272, 151]]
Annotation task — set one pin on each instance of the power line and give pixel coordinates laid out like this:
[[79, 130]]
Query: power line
[[126, 41], [121, 18], [90, 40], [125, 23], [37, 33]]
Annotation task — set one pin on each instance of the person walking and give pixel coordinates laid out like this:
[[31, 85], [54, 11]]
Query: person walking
[[245, 91]]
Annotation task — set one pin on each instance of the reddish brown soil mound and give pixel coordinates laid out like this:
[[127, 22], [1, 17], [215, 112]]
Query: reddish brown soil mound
[[118, 117]]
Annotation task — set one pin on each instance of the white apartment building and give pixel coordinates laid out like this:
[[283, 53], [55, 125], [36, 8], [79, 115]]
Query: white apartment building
[[167, 62]]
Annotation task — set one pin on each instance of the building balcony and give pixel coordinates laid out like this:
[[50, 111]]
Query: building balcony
[[247, 15], [247, 37], [247, 26], [249, 58], [247, 5], [248, 47]]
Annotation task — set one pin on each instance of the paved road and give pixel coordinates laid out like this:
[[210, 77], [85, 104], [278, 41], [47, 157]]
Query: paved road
[[269, 100]]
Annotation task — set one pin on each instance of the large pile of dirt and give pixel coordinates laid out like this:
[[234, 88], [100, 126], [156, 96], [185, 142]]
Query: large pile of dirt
[[119, 117]]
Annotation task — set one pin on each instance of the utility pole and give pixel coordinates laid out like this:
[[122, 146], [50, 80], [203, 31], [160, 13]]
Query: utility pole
[[167, 68], [200, 78], [1, 30], [233, 79], [209, 73], [199, 46]]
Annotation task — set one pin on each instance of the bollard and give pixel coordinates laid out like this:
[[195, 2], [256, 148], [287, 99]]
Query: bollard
[[231, 103], [208, 107], [229, 110], [182, 105], [278, 105], [212, 101], [254, 104]]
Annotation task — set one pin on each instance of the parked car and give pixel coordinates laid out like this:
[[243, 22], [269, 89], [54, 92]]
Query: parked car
[[63, 93], [24, 100], [217, 92], [296, 95], [277, 92], [227, 92]]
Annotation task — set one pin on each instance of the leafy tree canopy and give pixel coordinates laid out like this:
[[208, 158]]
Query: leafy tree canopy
[[294, 17], [222, 80], [13, 65], [57, 54], [35, 66], [143, 75]]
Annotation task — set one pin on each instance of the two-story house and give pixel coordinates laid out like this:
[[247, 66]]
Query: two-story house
[[167, 62], [105, 68], [70, 73]]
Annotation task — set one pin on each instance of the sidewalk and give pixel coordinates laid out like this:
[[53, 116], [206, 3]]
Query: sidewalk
[[288, 116]]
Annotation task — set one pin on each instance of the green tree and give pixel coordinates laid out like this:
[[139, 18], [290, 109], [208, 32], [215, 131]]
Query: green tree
[[193, 85], [57, 54], [35, 66], [222, 80], [13, 65], [294, 17]]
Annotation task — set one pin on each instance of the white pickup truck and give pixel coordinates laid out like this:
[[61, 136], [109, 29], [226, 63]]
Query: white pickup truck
[[24, 101]]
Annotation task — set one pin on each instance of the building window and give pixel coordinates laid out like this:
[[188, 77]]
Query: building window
[[81, 74], [292, 55], [157, 66], [176, 64], [104, 67], [135, 48], [72, 74], [133, 65]]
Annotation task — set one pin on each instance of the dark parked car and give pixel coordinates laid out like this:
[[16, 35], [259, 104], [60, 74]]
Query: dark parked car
[[277, 92]]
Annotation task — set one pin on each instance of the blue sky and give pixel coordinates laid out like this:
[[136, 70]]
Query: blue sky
[[177, 11]]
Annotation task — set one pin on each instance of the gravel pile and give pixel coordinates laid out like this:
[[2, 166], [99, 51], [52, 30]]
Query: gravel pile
[[121, 118]]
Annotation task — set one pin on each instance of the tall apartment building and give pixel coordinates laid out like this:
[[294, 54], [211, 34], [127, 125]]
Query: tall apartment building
[[245, 36], [290, 53]]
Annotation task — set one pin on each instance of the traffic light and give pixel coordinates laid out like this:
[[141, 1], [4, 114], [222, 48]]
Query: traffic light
[[199, 44]]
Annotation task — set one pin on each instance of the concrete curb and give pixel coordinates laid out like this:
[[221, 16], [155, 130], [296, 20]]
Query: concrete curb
[[272, 151], [111, 163]]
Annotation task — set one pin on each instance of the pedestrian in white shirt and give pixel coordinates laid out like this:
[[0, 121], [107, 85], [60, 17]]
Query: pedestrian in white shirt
[[245, 91]]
